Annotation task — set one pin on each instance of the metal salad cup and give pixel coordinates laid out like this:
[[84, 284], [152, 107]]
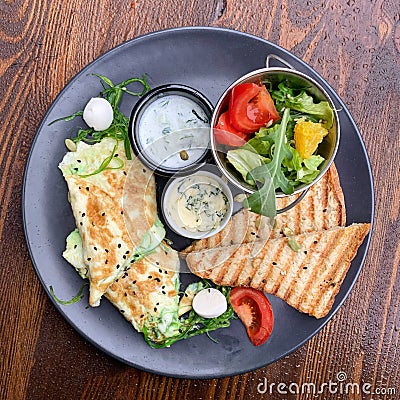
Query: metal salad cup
[[275, 75]]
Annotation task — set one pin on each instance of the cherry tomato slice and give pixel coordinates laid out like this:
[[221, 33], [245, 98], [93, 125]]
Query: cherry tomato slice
[[238, 103], [255, 311], [225, 133], [262, 109]]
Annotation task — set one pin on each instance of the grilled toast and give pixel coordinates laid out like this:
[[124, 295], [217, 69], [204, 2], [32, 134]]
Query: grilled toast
[[308, 279]]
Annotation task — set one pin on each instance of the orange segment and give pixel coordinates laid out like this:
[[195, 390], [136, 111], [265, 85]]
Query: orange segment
[[307, 136]]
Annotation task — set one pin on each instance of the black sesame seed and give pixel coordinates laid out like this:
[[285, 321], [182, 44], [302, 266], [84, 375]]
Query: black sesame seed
[[315, 241], [127, 252], [305, 251], [157, 279], [149, 277], [157, 263], [79, 188], [106, 262], [83, 214], [273, 263], [305, 267], [157, 304], [95, 248], [79, 161], [264, 281], [75, 246], [163, 292], [133, 282], [160, 270], [106, 250], [163, 287], [124, 172], [116, 155], [119, 245], [258, 236], [186, 295], [75, 168], [125, 294], [144, 171], [103, 214], [180, 330], [324, 210], [124, 257], [87, 187], [116, 280], [252, 233], [155, 309], [166, 272], [122, 311], [142, 316], [122, 212], [80, 223], [117, 266]]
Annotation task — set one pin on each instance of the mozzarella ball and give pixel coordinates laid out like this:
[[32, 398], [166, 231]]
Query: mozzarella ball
[[209, 303], [98, 114]]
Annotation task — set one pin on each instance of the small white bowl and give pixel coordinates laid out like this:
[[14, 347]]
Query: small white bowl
[[172, 185]]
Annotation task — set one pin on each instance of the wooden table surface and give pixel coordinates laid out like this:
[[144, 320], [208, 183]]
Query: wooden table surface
[[354, 45]]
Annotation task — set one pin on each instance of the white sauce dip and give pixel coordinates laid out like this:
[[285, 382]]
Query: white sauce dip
[[174, 131], [197, 203]]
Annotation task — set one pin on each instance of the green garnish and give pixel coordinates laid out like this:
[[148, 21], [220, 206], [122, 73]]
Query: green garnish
[[293, 244], [191, 324], [119, 127], [105, 164], [78, 297], [270, 175]]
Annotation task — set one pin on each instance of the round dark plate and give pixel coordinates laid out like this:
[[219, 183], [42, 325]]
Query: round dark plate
[[208, 59]]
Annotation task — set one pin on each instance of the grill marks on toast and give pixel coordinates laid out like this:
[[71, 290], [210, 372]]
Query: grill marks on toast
[[307, 280]]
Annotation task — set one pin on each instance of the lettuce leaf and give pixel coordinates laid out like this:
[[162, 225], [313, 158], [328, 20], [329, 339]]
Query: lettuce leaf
[[245, 161]]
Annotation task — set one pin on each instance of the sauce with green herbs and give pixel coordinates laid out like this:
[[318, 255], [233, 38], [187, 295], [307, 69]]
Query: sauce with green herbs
[[197, 204], [174, 131]]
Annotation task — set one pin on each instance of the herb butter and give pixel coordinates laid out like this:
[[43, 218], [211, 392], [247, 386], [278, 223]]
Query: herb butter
[[197, 203]]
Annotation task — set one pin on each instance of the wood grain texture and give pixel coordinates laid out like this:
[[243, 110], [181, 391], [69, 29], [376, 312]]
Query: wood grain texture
[[354, 44]]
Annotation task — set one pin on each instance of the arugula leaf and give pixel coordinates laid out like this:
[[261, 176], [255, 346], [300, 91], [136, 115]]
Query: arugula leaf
[[262, 201], [280, 151], [271, 175]]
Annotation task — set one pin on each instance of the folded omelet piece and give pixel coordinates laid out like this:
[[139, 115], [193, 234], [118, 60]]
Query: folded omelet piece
[[146, 294], [114, 204]]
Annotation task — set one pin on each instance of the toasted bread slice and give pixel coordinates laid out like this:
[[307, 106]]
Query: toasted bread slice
[[323, 207], [308, 279]]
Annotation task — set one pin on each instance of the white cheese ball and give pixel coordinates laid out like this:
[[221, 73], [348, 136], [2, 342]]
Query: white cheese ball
[[209, 303], [98, 114]]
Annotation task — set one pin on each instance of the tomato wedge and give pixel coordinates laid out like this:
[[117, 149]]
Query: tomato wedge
[[251, 107], [225, 133], [255, 311], [240, 98], [262, 108]]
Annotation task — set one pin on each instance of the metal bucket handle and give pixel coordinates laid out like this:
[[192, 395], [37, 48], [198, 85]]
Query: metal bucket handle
[[288, 65]]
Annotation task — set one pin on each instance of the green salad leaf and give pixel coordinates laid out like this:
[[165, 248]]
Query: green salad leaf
[[245, 161], [285, 97]]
